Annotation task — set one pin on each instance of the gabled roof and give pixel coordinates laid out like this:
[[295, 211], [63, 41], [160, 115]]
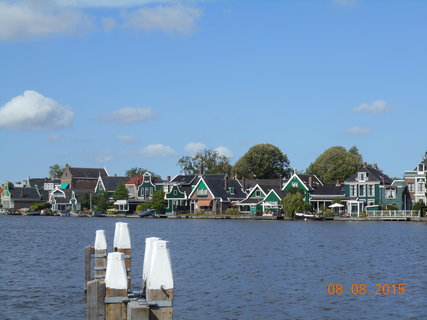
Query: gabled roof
[[184, 179], [374, 175], [137, 180], [39, 182], [215, 183], [305, 179], [88, 172], [28, 194], [87, 185], [329, 189], [111, 183]]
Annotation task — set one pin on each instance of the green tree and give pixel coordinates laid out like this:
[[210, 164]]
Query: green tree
[[294, 202], [207, 161], [263, 161], [121, 192], [336, 164], [158, 201], [140, 171], [101, 201], [55, 171], [85, 201]]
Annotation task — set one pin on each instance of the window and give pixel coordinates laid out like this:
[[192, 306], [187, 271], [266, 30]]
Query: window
[[231, 190], [352, 190], [151, 191], [294, 184], [257, 193], [390, 193], [411, 187], [175, 192], [361, 176], [202, 192], [361, 190], [371, 190], [421, 186]]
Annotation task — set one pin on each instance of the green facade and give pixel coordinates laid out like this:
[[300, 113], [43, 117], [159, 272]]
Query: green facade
[[174, 198], [296, 183]]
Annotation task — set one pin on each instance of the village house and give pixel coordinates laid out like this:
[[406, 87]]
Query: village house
[[215, 193], [19, 197], [177, 193], [416, 180]]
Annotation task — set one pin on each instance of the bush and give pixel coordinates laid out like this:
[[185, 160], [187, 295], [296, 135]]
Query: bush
[[363, 215], [417, 206], [143, 206], [233, 212], [40, 206]]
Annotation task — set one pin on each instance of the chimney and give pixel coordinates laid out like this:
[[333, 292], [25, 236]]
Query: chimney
[[310, 181], [168, 178], [338, 183], [226, 182], [375, 166], [365, 165], [201, 168]]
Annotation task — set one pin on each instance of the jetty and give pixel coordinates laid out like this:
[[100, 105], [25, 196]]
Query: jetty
[[108, 283]]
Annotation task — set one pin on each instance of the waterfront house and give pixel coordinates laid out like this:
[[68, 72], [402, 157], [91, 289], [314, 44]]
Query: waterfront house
[[147, 187], [65, 199], [416, 180], [177, 193], [81, 178], [307, 183], [263, 195], [19, 197], [370, 188], [109, 184], [215, 193], [324, 196]]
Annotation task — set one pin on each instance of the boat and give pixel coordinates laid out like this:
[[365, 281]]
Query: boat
[[308, 216], [33, 213], [147, 213], [98, 214]]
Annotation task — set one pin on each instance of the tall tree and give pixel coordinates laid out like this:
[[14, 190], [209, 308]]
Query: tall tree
[[140, 171], [207, 161], [55, 171], [263, 161], [294, 202], [158, 201], [336, 164], [121, 192], [101, 200]]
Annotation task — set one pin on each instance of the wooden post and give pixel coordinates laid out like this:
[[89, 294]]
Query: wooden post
[[95, 309], [124, 246], [88, 253], [160, 286], [100, 256], [149, 243], [116, 235], [116, 287]]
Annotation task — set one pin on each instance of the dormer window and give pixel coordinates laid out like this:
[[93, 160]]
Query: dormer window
[[421, 167], [362, 177], [258, 193], [231, 190], [294, 184]]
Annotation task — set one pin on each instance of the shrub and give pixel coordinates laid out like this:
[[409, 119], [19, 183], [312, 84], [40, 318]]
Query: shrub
[[233, 212]]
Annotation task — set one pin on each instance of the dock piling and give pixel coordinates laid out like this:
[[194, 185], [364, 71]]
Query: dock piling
[[116, 289], [100, 255]]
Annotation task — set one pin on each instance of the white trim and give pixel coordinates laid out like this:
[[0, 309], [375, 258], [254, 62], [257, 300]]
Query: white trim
[[299, 179], [207, 186]]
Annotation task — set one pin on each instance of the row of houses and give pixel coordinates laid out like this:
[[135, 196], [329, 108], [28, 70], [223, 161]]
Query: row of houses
[[367, 189]]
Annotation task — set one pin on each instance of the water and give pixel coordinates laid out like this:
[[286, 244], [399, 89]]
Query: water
[[224, 269]]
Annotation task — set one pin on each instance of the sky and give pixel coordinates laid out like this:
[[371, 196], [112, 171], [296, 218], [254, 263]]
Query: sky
[[139, 83]]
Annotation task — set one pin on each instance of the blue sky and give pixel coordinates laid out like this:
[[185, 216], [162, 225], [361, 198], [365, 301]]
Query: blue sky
[[137, 83]]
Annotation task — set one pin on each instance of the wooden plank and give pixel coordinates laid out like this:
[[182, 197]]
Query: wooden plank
[[95, 309], [88, 251], [116, 311]]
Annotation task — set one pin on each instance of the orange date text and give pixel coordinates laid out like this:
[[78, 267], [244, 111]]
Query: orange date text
[[363, 289]]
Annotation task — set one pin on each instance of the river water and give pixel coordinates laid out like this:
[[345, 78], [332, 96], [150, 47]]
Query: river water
[[225, 269]]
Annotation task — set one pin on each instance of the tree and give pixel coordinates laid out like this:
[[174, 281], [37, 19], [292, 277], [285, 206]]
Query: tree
[[263, 161], [336, 164], [140, 171], [207, 161], [121, 192], [85, 201], [55, 171], [294, 202], [101, 200], [158, 201]]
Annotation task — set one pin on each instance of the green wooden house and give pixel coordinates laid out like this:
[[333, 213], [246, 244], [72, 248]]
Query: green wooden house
[[307, 183]]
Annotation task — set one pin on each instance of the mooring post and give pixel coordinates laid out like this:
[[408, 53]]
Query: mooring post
[[160, 286], [88, 254], [100, 255], [123, 246], [149, 243], [116, 235], [116, 287], [95, 308]]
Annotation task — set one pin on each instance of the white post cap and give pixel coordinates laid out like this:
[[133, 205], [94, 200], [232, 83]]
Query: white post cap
[[148, 254], [160, 276], [115, 276], [123, 241], [116, 234], [100, 241]]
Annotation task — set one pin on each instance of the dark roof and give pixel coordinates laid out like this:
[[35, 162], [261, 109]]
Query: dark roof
[[215, 183], [68, 193], [88, 172], [265, 184], [39, 182], [305, 178], [111, 183], [184, 178], [374, 175], [88, 185], [248, 201], [330, 189], [19, 193]]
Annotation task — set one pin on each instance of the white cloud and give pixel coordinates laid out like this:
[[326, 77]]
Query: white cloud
[[26, 20], [128, 139], [33, 111], [176, 18], [378, 106], [358, 131], [157, 151], [223, 151], [110, 3], [129, 115], [194, 147], [108, 23]]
